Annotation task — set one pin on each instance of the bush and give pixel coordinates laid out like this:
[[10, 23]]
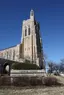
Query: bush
[[29, 81], [35, 81], [26, 81], [50, 81], [56, 73], [5, 80], [20, 81], [25, 66]]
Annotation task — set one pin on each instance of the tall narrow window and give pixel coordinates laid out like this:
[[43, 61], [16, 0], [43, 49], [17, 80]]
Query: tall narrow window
[[13, 54], [28, 30], [25, 31]]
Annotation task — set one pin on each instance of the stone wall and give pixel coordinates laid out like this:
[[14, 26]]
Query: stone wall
[[19, 73]]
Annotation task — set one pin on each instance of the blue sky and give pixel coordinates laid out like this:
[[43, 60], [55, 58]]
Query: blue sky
[[50, 15]]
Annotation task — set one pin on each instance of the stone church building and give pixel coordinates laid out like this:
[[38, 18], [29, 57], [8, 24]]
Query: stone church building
[[30, 47]]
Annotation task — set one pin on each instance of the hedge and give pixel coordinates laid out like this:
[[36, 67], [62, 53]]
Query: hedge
[[25, 66]]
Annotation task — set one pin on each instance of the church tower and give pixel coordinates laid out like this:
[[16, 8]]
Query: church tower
[[32, 46], [32, 14]]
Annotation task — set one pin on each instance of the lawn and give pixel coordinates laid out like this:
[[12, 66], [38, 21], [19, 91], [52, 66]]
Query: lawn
[[32, 91], [39, 90]]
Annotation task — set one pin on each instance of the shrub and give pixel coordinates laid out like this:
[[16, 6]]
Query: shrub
[[26, 81], [50, 81], [20, 81], [5, 80], [29, 81], [24, 66], [35, 81]]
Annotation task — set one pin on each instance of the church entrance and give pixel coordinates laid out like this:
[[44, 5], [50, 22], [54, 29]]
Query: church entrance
[[6, 68]]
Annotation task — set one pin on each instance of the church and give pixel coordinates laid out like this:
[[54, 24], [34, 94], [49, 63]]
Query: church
[[30, 47]]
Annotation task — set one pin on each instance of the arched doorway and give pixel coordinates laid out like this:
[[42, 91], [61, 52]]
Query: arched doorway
[[6, 68]]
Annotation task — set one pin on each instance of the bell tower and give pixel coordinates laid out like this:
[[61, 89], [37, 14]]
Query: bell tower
[[32, 15], [31, 40]]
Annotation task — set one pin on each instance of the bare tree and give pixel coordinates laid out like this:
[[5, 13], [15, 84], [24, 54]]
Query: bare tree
[[62, 66], [53, 67]]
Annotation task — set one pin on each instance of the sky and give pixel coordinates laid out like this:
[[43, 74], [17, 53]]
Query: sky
[[50, 15]]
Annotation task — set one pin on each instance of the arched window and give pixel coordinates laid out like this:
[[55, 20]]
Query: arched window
[[29, 30], [25, 31]]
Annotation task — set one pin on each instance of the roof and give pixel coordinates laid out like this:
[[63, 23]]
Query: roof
[[7, 48]]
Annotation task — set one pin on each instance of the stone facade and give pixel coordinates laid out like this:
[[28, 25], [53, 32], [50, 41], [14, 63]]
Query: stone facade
[[11, 53], [30, 47]]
